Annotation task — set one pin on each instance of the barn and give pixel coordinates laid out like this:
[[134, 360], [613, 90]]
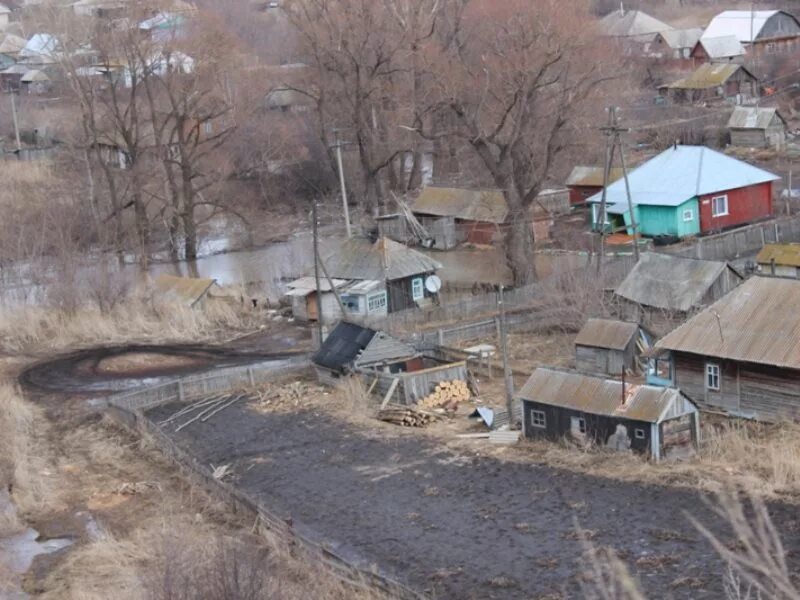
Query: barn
[[688, 190], [656, 421], [722, 49], [757, 127], [740, 355], [675, 44], [608, 346]]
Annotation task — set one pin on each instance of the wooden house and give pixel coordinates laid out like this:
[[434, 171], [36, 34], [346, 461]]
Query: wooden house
[[687, 190], [403, 272], [634, 30], [584, 182], [302, 293], [656, 421], [759, 31], [607, 346], [779, 260], [757, 127], [740, 355], [675, 44], [722, 49], [713, 81]]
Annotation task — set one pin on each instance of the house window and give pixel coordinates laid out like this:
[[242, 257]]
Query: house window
[[578, 425], [688, 215], [351, 303], [712, 376], [417, 289], [376, 302], [638, 434], [538, 419], [719, 206]]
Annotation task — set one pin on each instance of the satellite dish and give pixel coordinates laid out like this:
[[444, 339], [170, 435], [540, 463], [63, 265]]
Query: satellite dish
[[433, 284]]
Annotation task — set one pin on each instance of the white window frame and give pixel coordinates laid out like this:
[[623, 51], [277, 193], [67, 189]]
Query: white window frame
[[417, 288], [713, 376], [376, 302], [596, 213], [538, 419], [638, 433], [714, 211], [688, 215]]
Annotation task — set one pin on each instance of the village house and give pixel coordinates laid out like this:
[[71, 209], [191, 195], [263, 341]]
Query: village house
[[759, 31], [779, 260], [757, 127], [584, 182], [740, 355], [675, 44], [404, 275], [656, 421], [688, 190], [633, 29], [713, 81], [661, 287], [10, 47], [609, 346], [723, 49], [359, 298]]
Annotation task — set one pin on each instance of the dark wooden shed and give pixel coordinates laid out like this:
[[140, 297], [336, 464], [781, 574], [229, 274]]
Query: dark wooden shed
[[607, 346]]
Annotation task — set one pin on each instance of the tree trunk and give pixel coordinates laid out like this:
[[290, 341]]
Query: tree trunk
[[415, 177], [519, 251]]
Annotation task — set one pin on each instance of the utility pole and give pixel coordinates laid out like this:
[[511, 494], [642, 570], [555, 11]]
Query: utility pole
[[345, 208], [316, 270], [600, 221], [504, 348], [16, 123], [789, 195]]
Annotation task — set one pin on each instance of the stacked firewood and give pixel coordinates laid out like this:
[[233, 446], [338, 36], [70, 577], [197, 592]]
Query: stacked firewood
[[446, 395], [407, 416]]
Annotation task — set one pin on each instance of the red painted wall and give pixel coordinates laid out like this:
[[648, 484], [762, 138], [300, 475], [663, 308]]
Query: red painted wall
[[579, 193], [477, 232], [745, 205]]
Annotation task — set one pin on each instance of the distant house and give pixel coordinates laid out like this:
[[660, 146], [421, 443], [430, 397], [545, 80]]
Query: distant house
[[655, 421], [10, 47], [608, 346], [741, 354], [675, 44], [402, 273], [634, 29], [757, 127], [713, 81], [585, 182], [780, 260], [305, 302], [35, 82], [687, 190], [10, 77], [726, 48], [661, 282], [765, 31], [452, 216]]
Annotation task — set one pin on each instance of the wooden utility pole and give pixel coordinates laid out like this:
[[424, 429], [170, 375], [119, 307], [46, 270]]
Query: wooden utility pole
[[600, 220], [506, 369], [16, 123], [345, 207], [316, 270]]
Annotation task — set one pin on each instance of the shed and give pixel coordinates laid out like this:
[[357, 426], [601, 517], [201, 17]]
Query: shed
[[35, 82], [607, 346], [767, 29], [670, 283], [714, 81], [780, 260], [757, 127], [188, 291], [675, 43], [725, 48], [302, 293], [741, 354], [584, 182], [10, 77], [453, 215], [656, 421]]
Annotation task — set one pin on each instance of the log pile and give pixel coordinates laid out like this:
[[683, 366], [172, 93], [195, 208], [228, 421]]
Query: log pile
[[447, 395], [407, 416]]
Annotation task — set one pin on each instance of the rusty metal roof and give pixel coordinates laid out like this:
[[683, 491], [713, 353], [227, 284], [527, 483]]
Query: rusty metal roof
[[708, 75], [383, 260], [786, 255], [669, 282], [470, 205], [592, 176], [753, 117], [599, 395], [186, 290], [606, 333], [757, 322]]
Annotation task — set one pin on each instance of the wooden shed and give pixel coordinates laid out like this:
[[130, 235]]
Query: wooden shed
[[607, 346], [780, 260], [655, 421], [713, 81], [757, 127]]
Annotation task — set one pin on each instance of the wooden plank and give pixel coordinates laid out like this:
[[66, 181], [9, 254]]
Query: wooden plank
[[392, 388], [372, 385]]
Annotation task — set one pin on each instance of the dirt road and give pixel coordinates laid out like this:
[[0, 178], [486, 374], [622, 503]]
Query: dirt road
[[458, 526]]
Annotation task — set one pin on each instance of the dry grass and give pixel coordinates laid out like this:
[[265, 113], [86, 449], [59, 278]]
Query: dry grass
[[22, 179]]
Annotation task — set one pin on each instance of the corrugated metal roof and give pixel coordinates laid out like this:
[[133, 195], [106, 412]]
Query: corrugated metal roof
[[725, 46], [598, 395], [752, 117], [383, 348], [310, 284], [631, 23], [757, 323], [606, 333], [343, 345], [740, 23], [187, 290], [707, 76], [677, 39], [668, 282], [787, 255], [471, 205], [681, 173], [383, 260], [592, 176]]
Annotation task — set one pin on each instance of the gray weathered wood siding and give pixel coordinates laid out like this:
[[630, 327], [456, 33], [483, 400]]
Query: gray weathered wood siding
[[727, 281], [774, 135], [442, 230], [414, 386], [603, 360]]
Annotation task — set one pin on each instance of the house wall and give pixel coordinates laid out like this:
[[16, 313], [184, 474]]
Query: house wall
[[300, 307], [724, 284], [780, 25], [689, 374], [602, 360], [400, 292], [745, 205], [442, 230], [668, 220], [749, 138], [579, 193], [599, 429], [395, 228], [476, 232]]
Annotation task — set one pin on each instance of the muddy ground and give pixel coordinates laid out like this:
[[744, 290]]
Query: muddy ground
[[460, 525]]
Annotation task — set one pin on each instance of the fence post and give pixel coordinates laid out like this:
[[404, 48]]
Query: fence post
[[180, 390], [777, 233], [251, 376], [497, 326], [440, 336]]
